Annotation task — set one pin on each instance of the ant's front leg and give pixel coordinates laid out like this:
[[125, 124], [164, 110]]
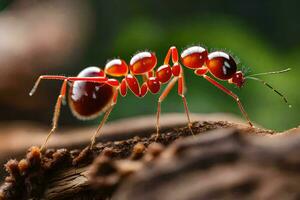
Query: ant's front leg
[[230, 93]]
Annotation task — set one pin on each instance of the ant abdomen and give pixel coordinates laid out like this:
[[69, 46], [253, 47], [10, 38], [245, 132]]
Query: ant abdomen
[[87, 99], [221, 65]]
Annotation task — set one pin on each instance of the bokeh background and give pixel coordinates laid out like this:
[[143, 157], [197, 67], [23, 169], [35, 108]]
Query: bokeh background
[[63, 37]]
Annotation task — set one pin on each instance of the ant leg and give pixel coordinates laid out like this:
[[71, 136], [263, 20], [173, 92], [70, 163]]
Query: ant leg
[[177, 71], [172, 52], [63, 94], [215, 83], [181, 88], [46, 77], [107, 113], [56, 111], [53, 77], [160, 100], [99, 79], [133, 84], [178, 74]]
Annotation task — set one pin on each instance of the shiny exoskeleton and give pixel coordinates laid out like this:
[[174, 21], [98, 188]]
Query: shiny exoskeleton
[[95, 90]]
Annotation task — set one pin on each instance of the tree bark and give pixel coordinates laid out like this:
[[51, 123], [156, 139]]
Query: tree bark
[[221, 161]]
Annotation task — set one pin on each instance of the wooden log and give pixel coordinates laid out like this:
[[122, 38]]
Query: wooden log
[[16, 135], [224, 164], [124, 169]]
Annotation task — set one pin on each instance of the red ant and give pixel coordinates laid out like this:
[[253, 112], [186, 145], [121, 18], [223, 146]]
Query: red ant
[[92, 92]]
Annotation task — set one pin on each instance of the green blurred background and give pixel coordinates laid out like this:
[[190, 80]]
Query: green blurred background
[[262, 35]]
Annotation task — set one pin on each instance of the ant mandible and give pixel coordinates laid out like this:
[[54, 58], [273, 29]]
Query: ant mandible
[[92, 92]]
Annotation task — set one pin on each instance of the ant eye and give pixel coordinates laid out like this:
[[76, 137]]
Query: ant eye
[[221, 65]]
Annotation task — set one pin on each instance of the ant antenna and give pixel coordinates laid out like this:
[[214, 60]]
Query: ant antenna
[[274, 72], [269, 86], [245, 70]]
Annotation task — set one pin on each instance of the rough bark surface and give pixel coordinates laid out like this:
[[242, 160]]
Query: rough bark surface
[[224, 164], [221, 161]]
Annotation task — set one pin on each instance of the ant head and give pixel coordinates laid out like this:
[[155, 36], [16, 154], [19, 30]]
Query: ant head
[[238, 79]]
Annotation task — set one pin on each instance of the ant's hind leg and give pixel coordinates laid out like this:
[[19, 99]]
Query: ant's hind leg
[[56, 111], [61, 97], [45, 77], [72, 79], [105, 117]]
